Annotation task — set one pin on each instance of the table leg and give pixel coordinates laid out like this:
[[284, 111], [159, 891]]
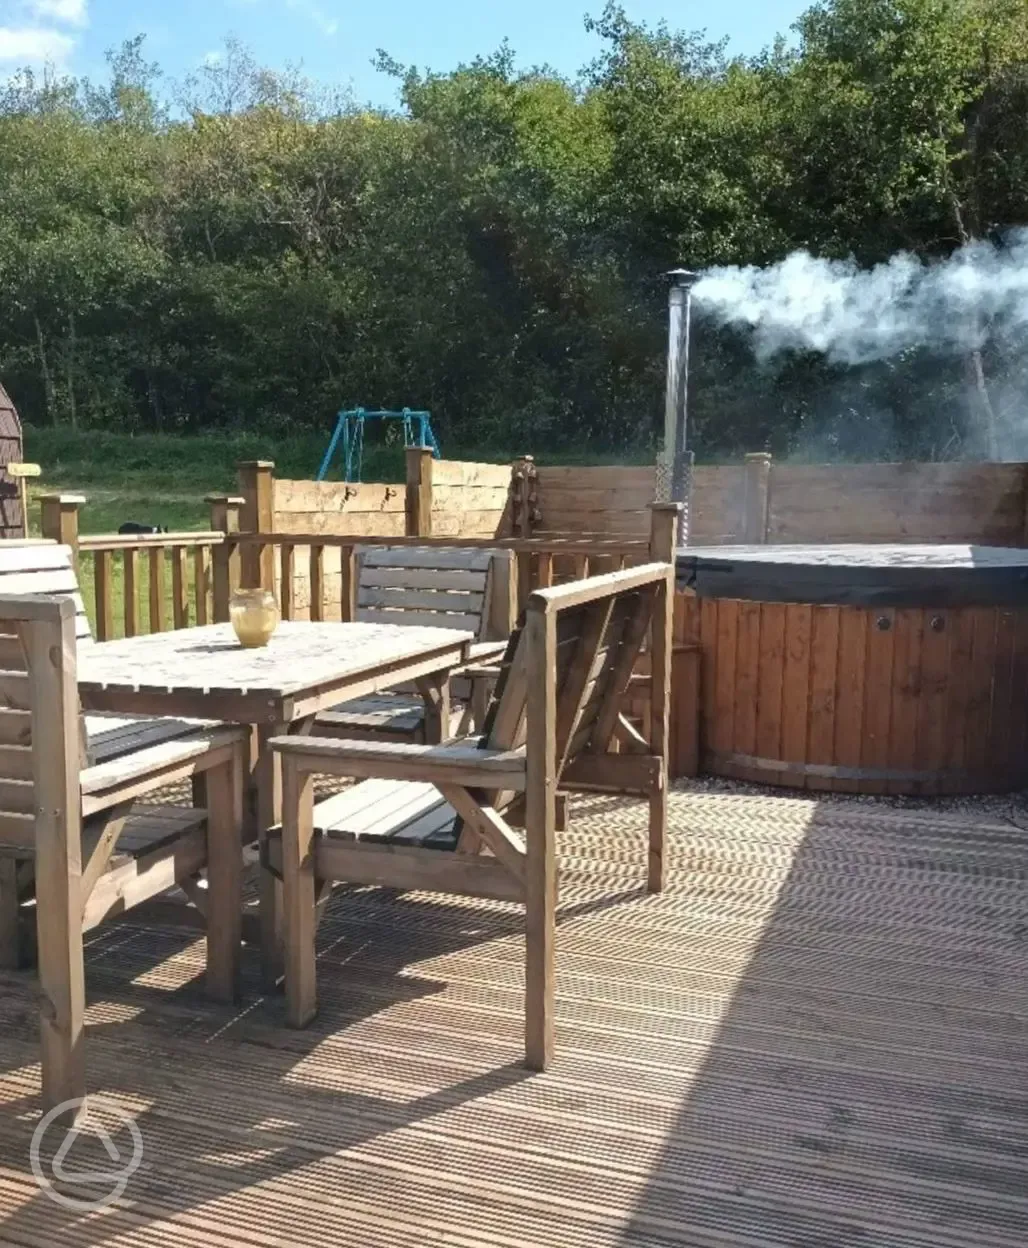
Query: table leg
[[435, 691], [266, 794], [266, 784], [224, 797]]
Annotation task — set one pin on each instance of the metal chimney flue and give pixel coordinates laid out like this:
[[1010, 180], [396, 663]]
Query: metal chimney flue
[[676, 401]]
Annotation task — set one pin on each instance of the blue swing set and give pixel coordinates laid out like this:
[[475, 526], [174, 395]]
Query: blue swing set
[[417, 431]]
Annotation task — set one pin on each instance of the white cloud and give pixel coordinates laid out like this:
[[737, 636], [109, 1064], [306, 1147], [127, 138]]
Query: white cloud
[[39, 31], [70, 12], [314, 13], [25, 45], [211, 58]]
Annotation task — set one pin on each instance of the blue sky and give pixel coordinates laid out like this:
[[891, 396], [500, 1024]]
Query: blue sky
[[336, 39]]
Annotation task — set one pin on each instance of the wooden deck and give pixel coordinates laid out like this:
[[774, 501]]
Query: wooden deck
[[816, 1038]]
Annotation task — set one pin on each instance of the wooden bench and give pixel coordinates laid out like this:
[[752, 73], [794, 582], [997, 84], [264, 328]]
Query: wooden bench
[[445, 587], [445, 817], [76, 846]]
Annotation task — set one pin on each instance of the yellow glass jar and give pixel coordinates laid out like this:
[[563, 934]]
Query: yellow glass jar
[[254, 615]]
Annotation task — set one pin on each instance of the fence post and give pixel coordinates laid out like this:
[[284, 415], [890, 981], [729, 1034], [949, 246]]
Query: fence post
[[1024, 476], [419, 492], [683, 712], [225, 510], [525, 486], [524, 516], [757, 498], [348, 584], [663, 531], [59, 518], [257, 515]]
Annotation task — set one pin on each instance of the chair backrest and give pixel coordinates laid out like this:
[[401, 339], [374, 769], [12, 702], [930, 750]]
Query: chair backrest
[[41, 726], [600, 626], [445, 587], [41, 567]]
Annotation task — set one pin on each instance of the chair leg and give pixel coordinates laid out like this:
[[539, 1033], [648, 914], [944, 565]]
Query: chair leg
[[658, 837], [540, 941], [61, 982], [562, 812], [435, 691], [299, 893], [199, 788], [224, 797], [10, 944], [478, 703]]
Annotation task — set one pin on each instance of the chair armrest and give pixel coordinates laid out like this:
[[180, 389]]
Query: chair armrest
[[486, 651], [483, 658], [461, 764], [479, 671], [141, 772]]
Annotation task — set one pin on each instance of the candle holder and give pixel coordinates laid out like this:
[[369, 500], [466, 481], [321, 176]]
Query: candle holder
[[254, 615]]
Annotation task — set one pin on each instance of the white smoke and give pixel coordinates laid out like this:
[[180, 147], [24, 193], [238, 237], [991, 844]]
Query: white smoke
[[856, 316]]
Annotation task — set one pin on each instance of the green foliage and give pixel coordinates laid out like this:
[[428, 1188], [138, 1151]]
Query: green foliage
[[255, 253]]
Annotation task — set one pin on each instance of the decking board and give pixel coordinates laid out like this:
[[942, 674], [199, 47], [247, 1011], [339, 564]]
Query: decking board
[[817, 1035]]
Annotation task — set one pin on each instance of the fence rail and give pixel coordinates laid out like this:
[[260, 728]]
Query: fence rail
[[171, 573], [139, 583], [540, 562]]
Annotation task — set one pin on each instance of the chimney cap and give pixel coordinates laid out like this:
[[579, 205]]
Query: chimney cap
[[683, 277]]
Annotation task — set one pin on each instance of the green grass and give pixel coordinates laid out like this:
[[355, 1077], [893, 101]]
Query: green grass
[[154, 478]]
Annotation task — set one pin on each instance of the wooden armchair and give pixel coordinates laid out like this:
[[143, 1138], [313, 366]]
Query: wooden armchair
[[446, 817], [38, 567], [76, 848], [445, 587]]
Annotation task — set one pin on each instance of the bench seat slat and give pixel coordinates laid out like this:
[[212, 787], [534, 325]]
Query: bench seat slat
[[110, 736], [388, 812], [400, 715], [147, 828]]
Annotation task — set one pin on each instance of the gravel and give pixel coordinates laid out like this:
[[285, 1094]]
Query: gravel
[[1010, 808]]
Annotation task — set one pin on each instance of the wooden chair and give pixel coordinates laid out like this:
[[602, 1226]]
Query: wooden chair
[[36, 567], [444, 587], [76, 847], [444, 817]]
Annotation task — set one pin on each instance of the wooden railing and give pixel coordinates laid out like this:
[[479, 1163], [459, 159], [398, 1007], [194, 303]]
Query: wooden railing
[[146, 583], [270, 559], [127, 572], [149, 583]]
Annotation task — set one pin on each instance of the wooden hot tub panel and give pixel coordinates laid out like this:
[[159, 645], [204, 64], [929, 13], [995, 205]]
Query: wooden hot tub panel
[[863, 699]]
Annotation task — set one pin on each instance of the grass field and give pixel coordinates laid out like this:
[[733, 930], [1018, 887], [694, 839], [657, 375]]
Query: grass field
[[158, 479], [161, 479]]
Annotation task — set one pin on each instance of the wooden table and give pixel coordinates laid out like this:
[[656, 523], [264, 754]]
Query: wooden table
[[204, 673]]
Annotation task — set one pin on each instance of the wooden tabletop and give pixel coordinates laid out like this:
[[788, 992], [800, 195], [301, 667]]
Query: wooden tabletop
[[305, 668], [859, 574]]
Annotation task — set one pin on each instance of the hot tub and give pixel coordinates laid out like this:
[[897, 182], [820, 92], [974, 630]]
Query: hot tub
[[868, 669]]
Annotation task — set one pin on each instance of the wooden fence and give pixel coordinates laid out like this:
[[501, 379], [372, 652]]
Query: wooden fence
[[300, 537], [761, 501], [440, 497]]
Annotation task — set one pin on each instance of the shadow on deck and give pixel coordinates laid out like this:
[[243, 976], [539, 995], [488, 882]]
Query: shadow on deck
[[815, 1038]]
